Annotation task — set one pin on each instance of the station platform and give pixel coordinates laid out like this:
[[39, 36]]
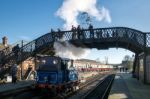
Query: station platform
[[126, 87], [7, 87]]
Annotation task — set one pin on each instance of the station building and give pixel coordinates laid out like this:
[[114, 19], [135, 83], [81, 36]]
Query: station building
[[86, 63]]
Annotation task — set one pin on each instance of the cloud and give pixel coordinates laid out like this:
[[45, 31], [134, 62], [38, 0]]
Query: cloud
[[26, 38], [70, 9]]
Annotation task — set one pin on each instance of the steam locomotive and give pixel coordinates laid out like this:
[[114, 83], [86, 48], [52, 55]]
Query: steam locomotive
[[56, 74]]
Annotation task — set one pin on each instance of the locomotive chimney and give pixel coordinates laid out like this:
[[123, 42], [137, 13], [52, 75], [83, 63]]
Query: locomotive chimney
[[72, 63], [5, 41]]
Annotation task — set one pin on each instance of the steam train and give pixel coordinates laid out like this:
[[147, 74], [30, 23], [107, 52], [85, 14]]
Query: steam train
[[56, 74]]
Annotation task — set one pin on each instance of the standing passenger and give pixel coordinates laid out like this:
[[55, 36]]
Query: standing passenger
[[53, 34], [60, 34], [74, 34], [79, 31], [83, 33], [91, 31]]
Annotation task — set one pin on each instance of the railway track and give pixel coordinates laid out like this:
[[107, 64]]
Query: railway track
[[88, 87], [82, 86], [31, 93], [101, 91]]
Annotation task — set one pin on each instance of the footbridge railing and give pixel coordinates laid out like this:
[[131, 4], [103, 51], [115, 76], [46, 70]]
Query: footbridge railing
[[117, 33]]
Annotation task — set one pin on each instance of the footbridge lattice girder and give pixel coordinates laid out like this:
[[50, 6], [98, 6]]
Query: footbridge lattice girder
[[124, 37]]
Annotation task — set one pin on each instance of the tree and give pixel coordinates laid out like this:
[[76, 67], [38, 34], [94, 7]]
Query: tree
[[84, 19], [127, 58]]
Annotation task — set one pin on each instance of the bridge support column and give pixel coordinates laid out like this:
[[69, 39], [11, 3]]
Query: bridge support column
[[138, 67], [144, 67], [146, 62], [134, 67], [147, 69]]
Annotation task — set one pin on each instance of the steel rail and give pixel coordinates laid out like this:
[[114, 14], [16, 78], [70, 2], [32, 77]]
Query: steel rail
[[105, 93]]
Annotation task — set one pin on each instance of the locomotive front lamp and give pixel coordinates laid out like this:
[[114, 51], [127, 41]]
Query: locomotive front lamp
[[43, 61], [55, 61]]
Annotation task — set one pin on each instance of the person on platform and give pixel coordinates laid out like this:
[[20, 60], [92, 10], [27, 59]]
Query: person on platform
[[14, 70]]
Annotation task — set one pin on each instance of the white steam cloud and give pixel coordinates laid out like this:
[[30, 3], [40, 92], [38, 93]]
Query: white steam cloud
[[67, 50], [70, 9]]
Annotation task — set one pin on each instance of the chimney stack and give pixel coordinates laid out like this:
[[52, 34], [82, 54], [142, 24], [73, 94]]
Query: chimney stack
[[5, 41]]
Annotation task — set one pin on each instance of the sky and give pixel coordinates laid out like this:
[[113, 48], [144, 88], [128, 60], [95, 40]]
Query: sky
[[29, 19]]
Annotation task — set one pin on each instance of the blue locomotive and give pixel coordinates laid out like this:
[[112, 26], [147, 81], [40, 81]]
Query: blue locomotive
[[56, 74]]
